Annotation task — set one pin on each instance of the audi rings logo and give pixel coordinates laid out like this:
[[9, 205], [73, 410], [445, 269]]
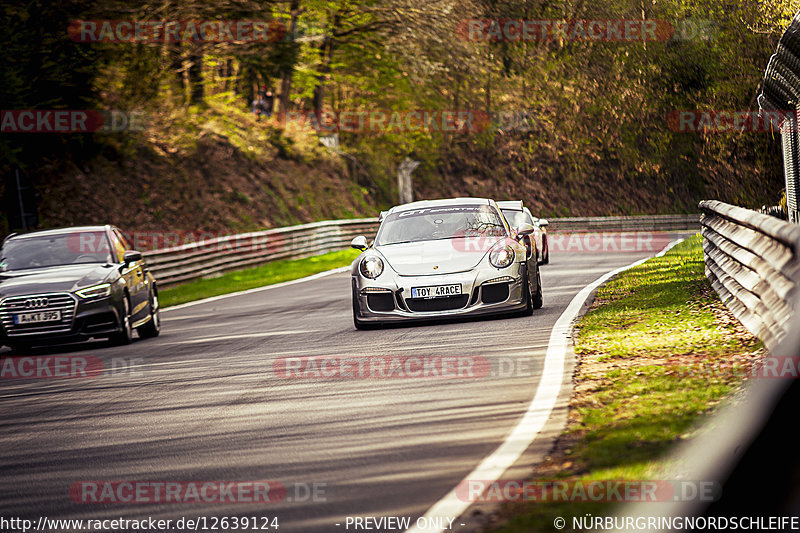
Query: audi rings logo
[[31, 303]]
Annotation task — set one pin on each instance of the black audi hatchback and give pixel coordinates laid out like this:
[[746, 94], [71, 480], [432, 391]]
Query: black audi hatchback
[[72, 284]]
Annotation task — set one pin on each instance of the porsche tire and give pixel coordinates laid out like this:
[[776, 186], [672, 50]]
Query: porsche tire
[[537, 300]]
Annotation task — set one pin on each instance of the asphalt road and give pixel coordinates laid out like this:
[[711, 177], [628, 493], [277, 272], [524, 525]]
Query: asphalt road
[[203, 402]]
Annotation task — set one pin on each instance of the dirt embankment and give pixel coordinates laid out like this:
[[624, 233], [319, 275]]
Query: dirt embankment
[[244, 181], [214, 187]]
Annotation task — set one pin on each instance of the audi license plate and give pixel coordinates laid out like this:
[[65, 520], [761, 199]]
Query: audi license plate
[[34, 318], [437, 291]]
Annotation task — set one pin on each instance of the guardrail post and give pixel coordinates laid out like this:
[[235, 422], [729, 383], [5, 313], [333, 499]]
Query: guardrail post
[[789, 141]]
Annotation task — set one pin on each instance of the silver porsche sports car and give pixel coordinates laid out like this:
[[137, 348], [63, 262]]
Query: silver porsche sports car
[[443, 258]]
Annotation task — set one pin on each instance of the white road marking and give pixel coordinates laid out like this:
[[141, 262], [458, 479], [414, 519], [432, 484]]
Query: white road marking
[[539, 410]]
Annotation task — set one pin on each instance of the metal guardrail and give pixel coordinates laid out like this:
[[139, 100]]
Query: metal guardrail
[[213, 256], [221, 254], [752, 263], [779, 103], [631, 223]]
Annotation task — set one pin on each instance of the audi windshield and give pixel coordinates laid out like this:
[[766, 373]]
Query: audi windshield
[[54, 250]]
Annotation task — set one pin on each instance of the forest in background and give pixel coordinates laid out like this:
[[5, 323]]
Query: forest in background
[[578, 126]]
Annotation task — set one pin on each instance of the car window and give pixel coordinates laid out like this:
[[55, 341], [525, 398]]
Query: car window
[[444, 222], [119, 247], [55, 250], [126, 243], [515, 218], [531, 219]]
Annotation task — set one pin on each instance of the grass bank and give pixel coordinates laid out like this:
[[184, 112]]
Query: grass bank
[[268, 274], [648, 347]]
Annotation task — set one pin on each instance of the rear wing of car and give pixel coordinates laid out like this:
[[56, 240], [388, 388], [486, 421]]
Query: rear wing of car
[[516, 205]]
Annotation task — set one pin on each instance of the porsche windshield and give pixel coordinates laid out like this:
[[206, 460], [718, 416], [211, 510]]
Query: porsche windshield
[[445, 222], [54, 250]]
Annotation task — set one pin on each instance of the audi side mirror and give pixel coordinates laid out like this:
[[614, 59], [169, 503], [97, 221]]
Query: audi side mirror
[[131, 256]]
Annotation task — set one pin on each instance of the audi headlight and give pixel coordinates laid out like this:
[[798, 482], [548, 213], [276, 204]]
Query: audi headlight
[[95, 291], [371, 267], [502, 256]]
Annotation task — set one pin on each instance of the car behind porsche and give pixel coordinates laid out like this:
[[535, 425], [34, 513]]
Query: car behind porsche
[[443, 258], [517, 214]]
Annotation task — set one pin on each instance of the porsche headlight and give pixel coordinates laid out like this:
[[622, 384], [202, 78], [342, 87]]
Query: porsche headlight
[[371, 267], [502, 256], [95, 291]]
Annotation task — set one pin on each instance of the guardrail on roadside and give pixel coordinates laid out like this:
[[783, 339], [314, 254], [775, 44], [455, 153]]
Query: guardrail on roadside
[[752, 263], [221, 254], [629, 223], [233, 252]]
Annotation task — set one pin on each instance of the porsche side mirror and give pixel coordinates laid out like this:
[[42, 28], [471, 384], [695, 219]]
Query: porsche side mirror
[[543, 222], [359, 243], [524, 229]]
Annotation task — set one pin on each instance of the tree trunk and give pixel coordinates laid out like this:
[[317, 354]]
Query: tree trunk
[[175, 67], [236, 79], [248, 81], [196, 78], [489, 90], [325, 52], [227, 74], [286, 80]]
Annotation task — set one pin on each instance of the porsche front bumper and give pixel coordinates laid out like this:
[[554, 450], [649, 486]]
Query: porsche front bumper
[[483, 292]]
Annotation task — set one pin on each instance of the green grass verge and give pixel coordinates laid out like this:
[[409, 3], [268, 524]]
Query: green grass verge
[[639, 385], [268, 274]]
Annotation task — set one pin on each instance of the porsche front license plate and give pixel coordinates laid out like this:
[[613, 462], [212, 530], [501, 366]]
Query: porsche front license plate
[[41, 316], [438, 291]]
